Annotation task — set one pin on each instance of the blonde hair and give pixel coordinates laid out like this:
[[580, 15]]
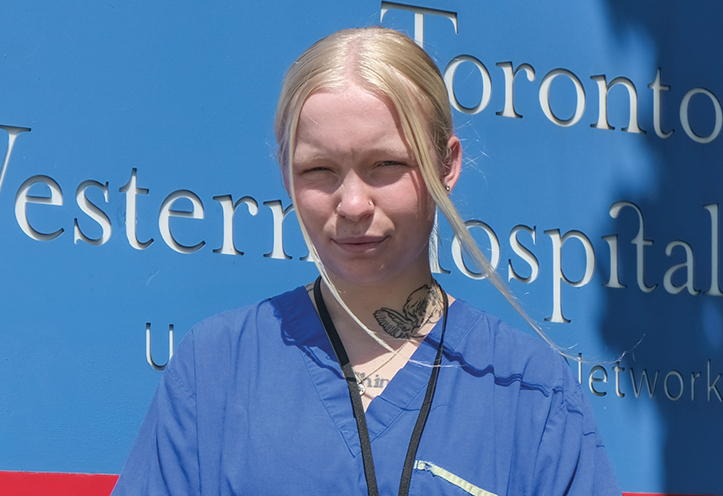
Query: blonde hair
[[390, 64]]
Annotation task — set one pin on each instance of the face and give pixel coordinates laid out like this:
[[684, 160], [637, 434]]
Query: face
[[358, 189]]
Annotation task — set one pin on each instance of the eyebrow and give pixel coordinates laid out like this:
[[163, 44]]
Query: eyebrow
[[315, 153]]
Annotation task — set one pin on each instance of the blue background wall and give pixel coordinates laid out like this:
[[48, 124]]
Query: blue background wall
[[183, 93]]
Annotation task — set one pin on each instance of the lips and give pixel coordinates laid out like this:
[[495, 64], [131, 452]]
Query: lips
[[359, 244]]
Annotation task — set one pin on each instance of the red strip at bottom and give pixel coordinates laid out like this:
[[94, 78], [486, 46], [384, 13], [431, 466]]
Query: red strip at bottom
[[45, 483], [660, 494]]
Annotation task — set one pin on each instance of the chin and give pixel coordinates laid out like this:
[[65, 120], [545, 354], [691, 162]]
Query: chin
[[365, 275], [365, 278]]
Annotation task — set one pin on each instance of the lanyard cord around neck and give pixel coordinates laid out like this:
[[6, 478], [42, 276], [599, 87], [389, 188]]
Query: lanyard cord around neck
[[356, 401]]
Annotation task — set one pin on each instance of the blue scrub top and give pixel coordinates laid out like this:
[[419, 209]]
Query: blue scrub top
[[254, 402]]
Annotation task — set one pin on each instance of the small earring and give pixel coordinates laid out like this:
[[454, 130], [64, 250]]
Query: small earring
[[447, 188], [370, 202]]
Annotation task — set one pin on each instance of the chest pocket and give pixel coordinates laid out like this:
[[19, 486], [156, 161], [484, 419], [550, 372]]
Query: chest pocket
[[429, 478]]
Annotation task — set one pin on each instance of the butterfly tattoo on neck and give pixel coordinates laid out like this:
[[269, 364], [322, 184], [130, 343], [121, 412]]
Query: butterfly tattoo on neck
[[422, 306]]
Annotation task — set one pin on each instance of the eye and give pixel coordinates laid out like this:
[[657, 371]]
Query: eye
[[316, 169], [392, 163], [306, 169]]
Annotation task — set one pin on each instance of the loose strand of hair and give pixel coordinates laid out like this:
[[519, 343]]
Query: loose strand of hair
[[413, 129]]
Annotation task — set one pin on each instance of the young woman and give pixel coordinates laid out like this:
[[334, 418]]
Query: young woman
[[373, 380]]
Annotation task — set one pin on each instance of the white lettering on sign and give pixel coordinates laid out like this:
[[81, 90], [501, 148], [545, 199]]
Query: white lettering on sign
[[522, 251], [545, 97], [524, 254], [167, 211], [558, 276], [592, 379], [92, 211], [684, 120], [688, 265], [712, 386], [617, 369], [679, 377], [644, 378], [13, 132], [23, 197], [279, 215], [673, 383], [494, 250], [524, 265], [510, 75], [449, 73], [603, 88], [419, 13], [639, 241], [132, 190], [229, 210], [714, 285], [657, 88]]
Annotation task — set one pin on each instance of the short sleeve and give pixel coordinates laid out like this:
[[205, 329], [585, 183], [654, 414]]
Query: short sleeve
[[571, 459], [164, 457]]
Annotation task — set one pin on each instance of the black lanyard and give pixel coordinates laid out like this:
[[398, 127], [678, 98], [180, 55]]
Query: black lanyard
[[351, 380]]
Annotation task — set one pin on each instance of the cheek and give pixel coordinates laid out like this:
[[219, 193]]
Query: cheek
[[314, 210], [420, 202], [423, 199], [427, 209], [413, 211]]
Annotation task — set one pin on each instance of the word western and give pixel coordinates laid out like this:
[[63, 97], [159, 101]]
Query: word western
[[188, 205]]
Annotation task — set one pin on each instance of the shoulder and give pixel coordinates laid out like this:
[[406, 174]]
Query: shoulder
[[514, 357], [531, 372], [222, 340], [264, 313], [540, 400]]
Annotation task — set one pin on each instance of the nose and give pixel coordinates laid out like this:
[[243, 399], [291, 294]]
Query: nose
[[355, 198]]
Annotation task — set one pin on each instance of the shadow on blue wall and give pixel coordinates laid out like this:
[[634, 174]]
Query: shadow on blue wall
[[683, 332]]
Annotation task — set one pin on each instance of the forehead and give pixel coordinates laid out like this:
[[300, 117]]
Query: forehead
[[350, 120], [351, 101]]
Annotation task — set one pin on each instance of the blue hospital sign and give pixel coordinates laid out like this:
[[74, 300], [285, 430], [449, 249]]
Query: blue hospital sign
[[140, 194]]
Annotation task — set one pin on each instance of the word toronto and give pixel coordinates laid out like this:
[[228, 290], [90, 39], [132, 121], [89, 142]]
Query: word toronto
[[580, 96]]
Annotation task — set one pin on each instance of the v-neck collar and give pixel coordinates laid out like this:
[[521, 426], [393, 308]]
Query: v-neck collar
[[399, 395]]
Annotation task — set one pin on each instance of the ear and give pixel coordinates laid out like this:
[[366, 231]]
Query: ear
[[453, 167]]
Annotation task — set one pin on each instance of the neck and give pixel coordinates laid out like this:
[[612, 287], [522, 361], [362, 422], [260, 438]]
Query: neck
[[397, 310], [373, 365]]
